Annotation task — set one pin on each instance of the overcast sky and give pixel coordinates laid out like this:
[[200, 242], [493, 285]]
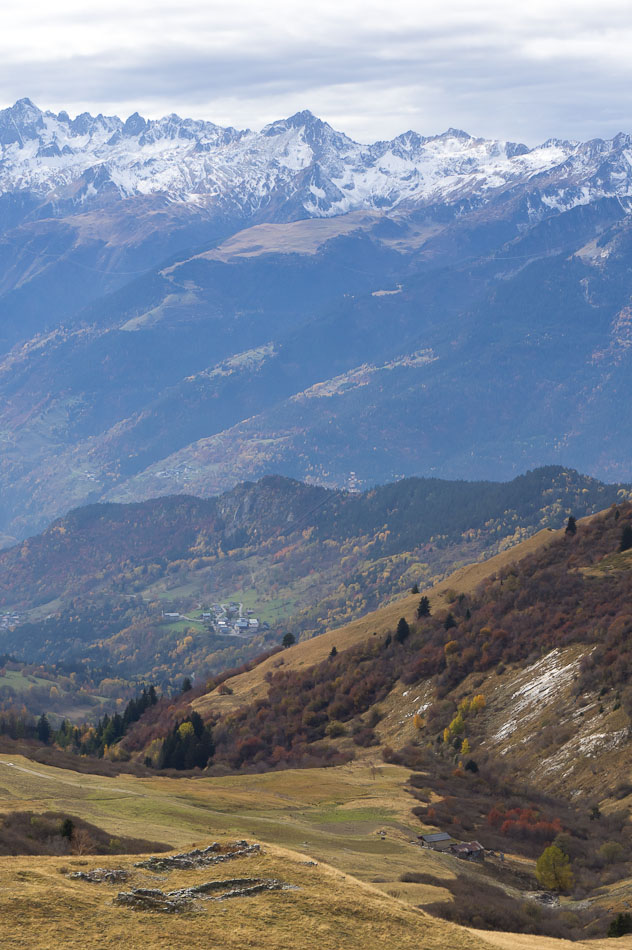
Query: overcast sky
[[525, 72]]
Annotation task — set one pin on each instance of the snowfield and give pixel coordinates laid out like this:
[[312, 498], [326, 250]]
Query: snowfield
[[302, 160]]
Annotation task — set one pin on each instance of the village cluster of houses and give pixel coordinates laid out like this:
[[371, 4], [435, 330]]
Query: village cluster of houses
[[239, 626], [9, 620], [223, 618]]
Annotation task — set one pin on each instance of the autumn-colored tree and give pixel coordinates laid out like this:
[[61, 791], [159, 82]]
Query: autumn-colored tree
[[457, 725], [553, 869], [82, 842], [185, 730]]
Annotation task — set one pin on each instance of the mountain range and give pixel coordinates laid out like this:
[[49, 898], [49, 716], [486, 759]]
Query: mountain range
[[184, 306]]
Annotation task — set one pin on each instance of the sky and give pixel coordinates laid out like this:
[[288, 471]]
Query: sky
[[373, 69]]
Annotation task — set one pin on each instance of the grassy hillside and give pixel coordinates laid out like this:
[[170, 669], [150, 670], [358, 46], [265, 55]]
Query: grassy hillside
[[355, 823], [324, 905], [326, 817], [252, 685]]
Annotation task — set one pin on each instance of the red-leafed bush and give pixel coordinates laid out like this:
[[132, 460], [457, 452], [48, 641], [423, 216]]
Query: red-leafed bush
[[525, 823]]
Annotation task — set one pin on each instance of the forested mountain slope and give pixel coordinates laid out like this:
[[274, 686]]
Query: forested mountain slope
[[553, 617], [502, 702], [117, 592]]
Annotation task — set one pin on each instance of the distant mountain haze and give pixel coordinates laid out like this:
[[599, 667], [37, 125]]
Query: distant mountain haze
[[185, 306]]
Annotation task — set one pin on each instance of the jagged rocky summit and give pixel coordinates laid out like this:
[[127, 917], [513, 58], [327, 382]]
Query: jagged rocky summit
[[300, 160]]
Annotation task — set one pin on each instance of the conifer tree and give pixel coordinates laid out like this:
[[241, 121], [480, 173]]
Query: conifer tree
[[626, 538], [423, 609], [620, 926], [403, 630], [43, 729]]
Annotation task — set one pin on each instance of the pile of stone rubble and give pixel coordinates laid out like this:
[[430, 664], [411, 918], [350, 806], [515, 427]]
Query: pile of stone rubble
[[175, 902], [102, 876], [200, 858], [184, 898]]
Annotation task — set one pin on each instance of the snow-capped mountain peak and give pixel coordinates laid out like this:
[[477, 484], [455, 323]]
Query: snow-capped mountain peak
[[300, 163]]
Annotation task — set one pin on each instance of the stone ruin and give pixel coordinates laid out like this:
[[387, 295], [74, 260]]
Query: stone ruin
[[200, 858], [102, 876], [184, 898], [176, 902]]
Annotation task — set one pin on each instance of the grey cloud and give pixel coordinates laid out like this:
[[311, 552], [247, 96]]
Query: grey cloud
[[442, 77]]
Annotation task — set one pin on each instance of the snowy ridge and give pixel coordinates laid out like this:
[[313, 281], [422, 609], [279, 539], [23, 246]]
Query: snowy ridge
[[300, 160]]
